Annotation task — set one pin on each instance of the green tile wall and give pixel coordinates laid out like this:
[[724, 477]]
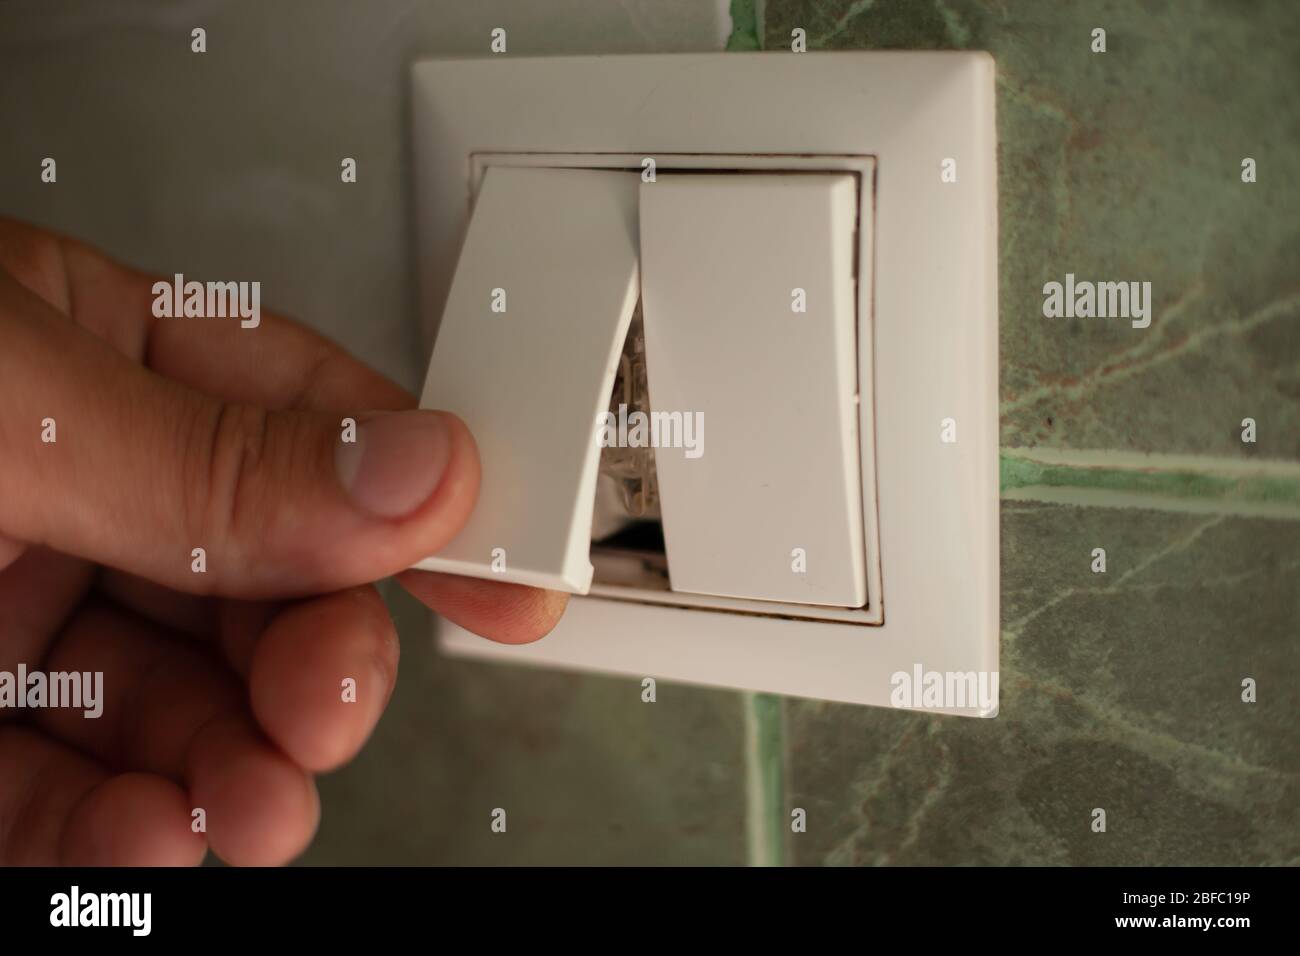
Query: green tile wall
[[1126, 165], [1119, 690]]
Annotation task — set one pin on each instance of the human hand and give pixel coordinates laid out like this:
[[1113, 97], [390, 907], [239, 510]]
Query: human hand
[[222, 687]]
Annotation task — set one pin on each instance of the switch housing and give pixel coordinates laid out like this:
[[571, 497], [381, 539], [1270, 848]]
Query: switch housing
[[926, 326]]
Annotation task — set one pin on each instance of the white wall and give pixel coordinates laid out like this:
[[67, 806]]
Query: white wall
[[225, 165]]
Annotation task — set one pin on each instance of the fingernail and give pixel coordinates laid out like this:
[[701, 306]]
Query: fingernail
[[396, 462]]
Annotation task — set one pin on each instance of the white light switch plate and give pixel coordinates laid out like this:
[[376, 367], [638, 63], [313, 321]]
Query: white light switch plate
[[926, 338]]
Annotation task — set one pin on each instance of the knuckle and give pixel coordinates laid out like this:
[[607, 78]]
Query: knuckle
[[226, 456]]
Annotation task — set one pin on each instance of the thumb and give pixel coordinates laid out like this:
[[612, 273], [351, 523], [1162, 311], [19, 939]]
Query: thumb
[[143, 472]]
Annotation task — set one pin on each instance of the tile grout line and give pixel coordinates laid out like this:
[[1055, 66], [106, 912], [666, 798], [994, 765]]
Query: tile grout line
[[1153, 461], [764, 784], [746, 25], [1183, 483], [763, 749]]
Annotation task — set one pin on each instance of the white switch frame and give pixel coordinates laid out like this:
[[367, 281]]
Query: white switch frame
[[930, 346]]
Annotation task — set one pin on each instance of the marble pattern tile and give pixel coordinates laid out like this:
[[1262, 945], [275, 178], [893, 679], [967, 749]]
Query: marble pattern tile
[[1119, 690], [1126, 166]]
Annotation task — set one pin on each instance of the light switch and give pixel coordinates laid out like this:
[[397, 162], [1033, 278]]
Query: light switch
[[827, 432], [526, 356], [749, 295], [748, 290]]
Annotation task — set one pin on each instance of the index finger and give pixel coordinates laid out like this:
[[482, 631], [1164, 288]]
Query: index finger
[[276, 364]]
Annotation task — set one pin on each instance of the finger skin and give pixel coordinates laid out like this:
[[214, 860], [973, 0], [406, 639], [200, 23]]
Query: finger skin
[[157, 692], [500, 611], [37, 594], [146, 470], [177, 612], [261, 808], [171, 709], [133, 819], [299, 668], [59, 808], [11, 549]]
